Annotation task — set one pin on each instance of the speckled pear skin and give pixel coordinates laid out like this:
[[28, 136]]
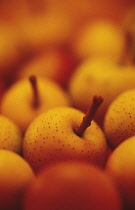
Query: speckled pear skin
[[17, 101], [10, 135], [51, 138], [119, 121], [99, 77]]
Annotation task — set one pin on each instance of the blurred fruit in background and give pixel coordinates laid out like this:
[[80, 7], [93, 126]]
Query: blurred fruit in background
[[44, 37], [9, 53], [81, 10], [129, 25], [37, 32], [99, 77], [54, 62], [12, 11], [35, 25], [129, 20], [101, 38]]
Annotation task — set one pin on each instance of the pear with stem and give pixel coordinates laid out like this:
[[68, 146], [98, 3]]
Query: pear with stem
[[28, 98], [59, 134]]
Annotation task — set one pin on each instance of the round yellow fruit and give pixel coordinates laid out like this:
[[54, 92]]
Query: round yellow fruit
[[51, 137], [120, 118], [99, 77], [121, 166], [100, 38], [15, 174], [10, 135], [17, 102]]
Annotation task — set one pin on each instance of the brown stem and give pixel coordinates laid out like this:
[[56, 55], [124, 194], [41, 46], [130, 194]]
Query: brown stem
[[33, 81], [133, 52], [130, 49], [86, 122]]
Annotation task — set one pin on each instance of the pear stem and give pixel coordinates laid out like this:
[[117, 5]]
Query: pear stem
[[133, 52], [33, 81], [86, 122], [130, 50]]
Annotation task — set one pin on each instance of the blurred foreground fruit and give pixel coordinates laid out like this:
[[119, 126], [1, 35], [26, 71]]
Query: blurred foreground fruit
[[72, 185], [15, 174], [121, 166]]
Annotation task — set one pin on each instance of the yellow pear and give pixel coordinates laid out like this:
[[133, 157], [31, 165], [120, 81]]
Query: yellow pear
[[101, 38], [27, 99], [120, 118], [15, 175], [99, 77], [57, 135], [121, 166], [10, 135]]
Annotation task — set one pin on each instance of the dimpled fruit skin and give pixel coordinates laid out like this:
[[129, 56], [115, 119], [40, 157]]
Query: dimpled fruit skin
[[72, 186], [17, 101], [10, 135], [51, 137], [119, 121], [121, 166], [99, 77], [15, 174]]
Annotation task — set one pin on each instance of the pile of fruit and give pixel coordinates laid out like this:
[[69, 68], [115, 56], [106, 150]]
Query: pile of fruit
[[67, 105]]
